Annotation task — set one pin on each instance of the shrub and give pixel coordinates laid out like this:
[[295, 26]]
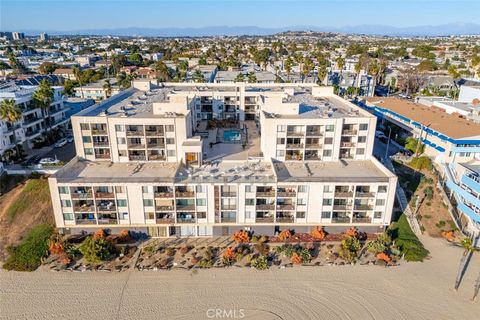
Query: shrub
[[296, 259], [241, 236], [97, 249], [262, 248], [151, 249], [407, 241], [260, 263], [349, 248], [352, 232], [170, 252], [284, 235], [205, 263], [28, 255], [376, 247], [440, 224], [421, 163], [318, 233], [428, 192], [305, 255], [229, 256], [383, 256]]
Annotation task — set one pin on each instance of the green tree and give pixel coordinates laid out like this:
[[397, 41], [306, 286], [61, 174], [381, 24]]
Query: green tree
[[307, 67], [288, 66], [163, 73], [48, 67], [68, 87], [43, 98], [198, 76], [239, 78], [251, 77], [322, 73], [11, 113], [340, 63], [107, 86]]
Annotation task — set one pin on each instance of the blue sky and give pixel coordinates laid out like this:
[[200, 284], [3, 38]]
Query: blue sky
[[69, 15]]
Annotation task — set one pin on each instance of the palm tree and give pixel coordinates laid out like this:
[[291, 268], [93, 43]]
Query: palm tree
[[198, 76], [322, 73], [11, 113], [43, 98], [162, 71], [78, 75], [469, 248], [252, 78], [288, 66], [239, 78], [340, 63], [107, 86]]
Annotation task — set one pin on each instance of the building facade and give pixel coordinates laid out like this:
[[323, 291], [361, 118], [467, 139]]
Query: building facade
[[209, 159]]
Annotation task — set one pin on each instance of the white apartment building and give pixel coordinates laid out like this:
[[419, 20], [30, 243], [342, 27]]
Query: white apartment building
[[35, 121], [209, 159]]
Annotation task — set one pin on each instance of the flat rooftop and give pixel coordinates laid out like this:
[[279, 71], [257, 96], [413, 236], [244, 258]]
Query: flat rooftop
[[450, 125], [83, 171], [339, 171]]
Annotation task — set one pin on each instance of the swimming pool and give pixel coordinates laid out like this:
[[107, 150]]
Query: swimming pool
[[232, 136]]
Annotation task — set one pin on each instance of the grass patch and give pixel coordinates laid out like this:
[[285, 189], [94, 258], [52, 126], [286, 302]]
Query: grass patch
[[28, 255], [407, 241], [35, 191]]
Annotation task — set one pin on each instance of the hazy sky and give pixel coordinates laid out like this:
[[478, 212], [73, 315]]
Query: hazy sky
[[88, 14]]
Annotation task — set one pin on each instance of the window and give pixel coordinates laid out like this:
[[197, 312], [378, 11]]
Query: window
[[86, 139], [327, 202], [171, 153], [66, 203], [363, 126], [280, 140], [382, 189], [329, 128], [201, 189], [119, 127], [63, 190], [302, 202], [123, 215], [202, 215], [360, 151], [249, 214], [380, 202], [145, 189], [150, 215], [326, 188], [170, 141], [328, 140], [84, 126], [281, 128], [148, 202], [201, 202], [88, 151], [362, 139], [120, 189], [121, 203], [68, 216], [169, 128], [121, 141], [301, 215], [280, 153], [377, 215], [249, 202], [326, 214], [327, 153], [302, 188], [249, 189]]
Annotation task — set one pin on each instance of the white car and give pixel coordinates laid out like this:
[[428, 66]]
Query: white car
[[49, 161], [60, 143]]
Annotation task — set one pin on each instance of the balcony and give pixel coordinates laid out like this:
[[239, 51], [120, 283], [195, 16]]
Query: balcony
[[264, 219], [102, 156], [363, 207], [164, 208], [185, 194], [342, 207], [229, 194], [186, 218], [343, 194], [285, 219], [32, 133], [135, 133], [137, 158], [341, 220], [365, 194], [347, 144], [29, 121], [228, 219], [107, 221], [362, 220], [314, 133], [100, 143], [85, 221], [84, 208], [157, 157], [104, 195], [297, 157], [155, 145], [163, 194], [266, 194], [286, 194], [229, 207], [285, 207], [312, 157], [82, 195], [165, 220], [185, 207], [98, 132], [295, 146], [154, 133], [313, 146], [265, 207], [349, 132], [295, 134], [136, 146], [107, 208]]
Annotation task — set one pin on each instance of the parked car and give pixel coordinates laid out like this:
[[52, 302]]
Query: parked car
[[380, 134], [60, 143], [48, 161], [69, 139], [32, 160]]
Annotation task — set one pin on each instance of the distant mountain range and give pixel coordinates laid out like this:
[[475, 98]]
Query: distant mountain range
[[377, 30]]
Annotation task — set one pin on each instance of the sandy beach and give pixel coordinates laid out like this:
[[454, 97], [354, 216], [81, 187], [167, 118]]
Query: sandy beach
[[410, 291]]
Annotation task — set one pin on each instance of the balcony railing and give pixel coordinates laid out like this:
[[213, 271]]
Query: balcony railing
[[313, 146], [313, 133], [229, 194], [364, 194], [266, 194], [107, 221], [164, 208], [342, 207], [295, 134], [312, 157], [136, 146], [285, 207], [99, 131], [155, 145], [154, 133], [85, 221], [341, 220], [347, 144], [297, 157], [185, 194], [362, 220], [104, 195], [285, 219], [342, 194], [228, 219], [183, 207], [102, 156], [265, 207], [165, 221], [106, 208], [163, 194], [185, 219], [264, 219], [137, 158], [84, 208], [363, 207], [294, 145], [229, 207], [156, 157], [81, 195], [135, 133], [286, 194], [349, 132], [100, 143]]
